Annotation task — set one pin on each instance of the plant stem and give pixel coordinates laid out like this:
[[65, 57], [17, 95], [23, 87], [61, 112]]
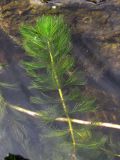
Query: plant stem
[[65, 108]]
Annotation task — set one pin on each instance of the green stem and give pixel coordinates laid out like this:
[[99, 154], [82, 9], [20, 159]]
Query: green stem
[[62, 97]]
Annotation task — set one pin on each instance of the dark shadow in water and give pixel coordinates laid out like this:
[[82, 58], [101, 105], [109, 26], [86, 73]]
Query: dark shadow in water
[[14, 157]]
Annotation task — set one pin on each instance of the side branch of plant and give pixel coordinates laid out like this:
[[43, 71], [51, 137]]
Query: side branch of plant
[[62, 119]]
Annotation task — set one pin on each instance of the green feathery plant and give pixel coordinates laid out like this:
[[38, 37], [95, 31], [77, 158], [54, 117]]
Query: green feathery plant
[[53, 72]]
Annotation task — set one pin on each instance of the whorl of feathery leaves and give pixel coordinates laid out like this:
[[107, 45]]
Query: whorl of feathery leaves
[[52, 68], [55, 31]]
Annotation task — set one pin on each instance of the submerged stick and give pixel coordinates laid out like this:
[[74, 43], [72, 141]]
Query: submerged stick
[[62, 119]]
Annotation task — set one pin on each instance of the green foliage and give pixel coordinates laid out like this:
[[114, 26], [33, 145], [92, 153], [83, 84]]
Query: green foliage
[[52, 69]]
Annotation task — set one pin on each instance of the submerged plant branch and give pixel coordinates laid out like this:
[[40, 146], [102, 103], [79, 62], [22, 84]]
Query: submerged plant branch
[[62, 119]]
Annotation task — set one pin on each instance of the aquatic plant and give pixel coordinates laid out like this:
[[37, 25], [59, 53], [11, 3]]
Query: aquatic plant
[[52, 109], [53, 72]]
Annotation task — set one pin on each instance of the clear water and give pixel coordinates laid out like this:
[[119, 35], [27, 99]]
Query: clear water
[[25, 135]]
